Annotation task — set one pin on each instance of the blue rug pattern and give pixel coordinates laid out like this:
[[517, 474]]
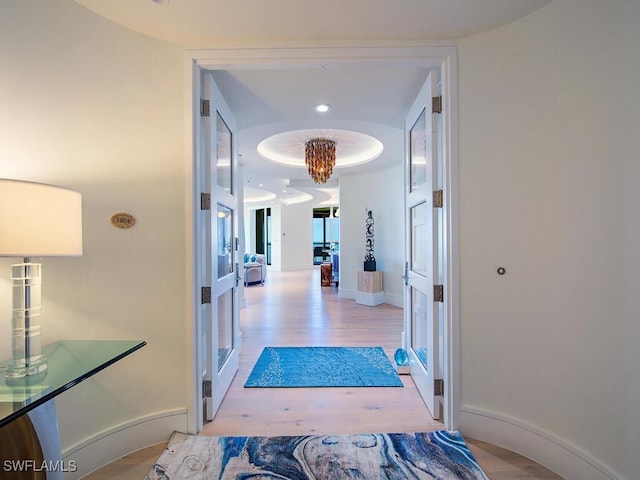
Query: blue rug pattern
[[323, 367], [391, 456]]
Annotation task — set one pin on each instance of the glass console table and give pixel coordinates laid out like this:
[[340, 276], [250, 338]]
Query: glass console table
[[28, 421]]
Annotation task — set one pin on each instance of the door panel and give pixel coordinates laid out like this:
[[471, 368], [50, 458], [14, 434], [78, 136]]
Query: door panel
[[421, 248], [225, 328], [218, 249], [417, 158], [225, 240], [419, 319], [224, 170], [419, 238]]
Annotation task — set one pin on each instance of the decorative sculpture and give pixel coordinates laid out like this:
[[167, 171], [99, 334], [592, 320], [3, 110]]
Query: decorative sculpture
[[369, 258]]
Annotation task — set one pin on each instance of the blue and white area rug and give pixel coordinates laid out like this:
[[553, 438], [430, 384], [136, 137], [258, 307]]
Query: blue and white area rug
[[323, 367], [390, 456]]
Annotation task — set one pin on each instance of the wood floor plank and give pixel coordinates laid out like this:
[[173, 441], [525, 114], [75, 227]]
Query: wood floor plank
[[292, 309]]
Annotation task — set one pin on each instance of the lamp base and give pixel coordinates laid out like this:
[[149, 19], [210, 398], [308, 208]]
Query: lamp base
[[27, 360], [33, 371]]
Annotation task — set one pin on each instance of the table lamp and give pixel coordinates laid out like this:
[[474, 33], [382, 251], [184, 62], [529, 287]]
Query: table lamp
[[36, 220]]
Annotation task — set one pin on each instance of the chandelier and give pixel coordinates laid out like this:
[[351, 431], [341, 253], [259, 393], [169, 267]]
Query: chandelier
[[320, 158]]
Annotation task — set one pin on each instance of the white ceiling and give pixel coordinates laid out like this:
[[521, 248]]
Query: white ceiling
[[203, 23], [368, 99]]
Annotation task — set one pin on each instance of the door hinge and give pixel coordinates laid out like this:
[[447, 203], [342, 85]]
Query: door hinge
[[438, 293], [205, 201], [438, 199], [206, 388], [436, 104], [206, 295], [205, 108], [438, 387]]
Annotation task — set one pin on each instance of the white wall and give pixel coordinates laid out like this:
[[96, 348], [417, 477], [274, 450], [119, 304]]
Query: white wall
[[380, 191], [291, 236], [549, 174], [297, 237], [94, 107]]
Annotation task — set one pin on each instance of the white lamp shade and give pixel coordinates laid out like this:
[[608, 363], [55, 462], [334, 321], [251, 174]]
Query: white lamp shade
[[38, 220]]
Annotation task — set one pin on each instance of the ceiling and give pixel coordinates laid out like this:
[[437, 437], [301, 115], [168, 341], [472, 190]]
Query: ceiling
[[371, 100]]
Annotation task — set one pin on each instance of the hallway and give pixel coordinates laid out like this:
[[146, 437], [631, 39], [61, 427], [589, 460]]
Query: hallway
[[292, 309]]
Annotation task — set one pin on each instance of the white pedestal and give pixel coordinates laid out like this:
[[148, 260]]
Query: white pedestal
[[371, 299]]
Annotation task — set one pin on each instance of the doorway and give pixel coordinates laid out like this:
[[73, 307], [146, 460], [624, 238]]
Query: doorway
[[326, 234], [442, 58], [258, 238], [316, 316]]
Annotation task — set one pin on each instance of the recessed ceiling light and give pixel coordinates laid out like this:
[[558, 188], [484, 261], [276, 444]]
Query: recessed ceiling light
[[323, 107]]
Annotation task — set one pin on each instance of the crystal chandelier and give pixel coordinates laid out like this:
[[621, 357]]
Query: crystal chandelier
[[320, 158]]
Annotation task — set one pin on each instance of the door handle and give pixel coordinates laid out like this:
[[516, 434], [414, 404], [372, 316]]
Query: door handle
[[405, 277]]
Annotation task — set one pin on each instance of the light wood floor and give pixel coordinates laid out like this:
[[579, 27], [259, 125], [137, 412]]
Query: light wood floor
[[291, 309]]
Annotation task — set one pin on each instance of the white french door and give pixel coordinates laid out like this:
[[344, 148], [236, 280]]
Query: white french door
[[423, 223], [217, 243], [442, 58]]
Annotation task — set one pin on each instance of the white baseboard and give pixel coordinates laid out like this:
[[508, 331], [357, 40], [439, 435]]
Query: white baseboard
[[567, 460], [343, 293], [292, 268], [370, 299], [394, 300], [109, 445]]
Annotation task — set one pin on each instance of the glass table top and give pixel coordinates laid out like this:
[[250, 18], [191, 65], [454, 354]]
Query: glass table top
[[69, 363]]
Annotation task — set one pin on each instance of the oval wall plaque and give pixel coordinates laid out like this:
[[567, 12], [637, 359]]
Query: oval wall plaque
[[123, 220]]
